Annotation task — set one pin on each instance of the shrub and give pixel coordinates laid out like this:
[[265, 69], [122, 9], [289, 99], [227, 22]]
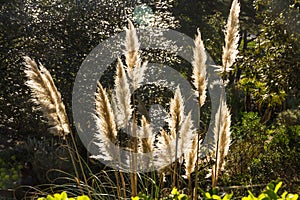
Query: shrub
[[271, 192]]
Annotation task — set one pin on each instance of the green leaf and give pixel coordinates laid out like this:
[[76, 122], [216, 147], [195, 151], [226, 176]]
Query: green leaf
[[63, 196], [207, 195], [217, 197], [227, 196], [251, 195], [246, 198], [271, 194], [284, 195], [49, 197], [271, 186], [278, 186], [292, 196], [83, 197]]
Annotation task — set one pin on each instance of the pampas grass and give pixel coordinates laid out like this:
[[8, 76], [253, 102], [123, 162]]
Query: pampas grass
[[200, 83], [199, 69], [122, 96], [191, 158], [107, 138], [146, 136], [46, 96], [176, 113], [230, 50], [186, 136], [147, 142], [222, 130], [222, 120], [48, 99], [135, 68], [180, 140], [106, 124], [165, 147], [132, 46]]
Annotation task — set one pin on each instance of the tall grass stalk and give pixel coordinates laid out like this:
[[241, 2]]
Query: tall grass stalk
[[200, 83], [106, 124], [133, 62], [222, 128], [230, 51], [48, 99], [177, 115]]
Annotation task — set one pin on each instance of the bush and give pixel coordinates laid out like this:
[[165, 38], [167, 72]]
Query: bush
[[271, 192], [9, 171], [248, 141]]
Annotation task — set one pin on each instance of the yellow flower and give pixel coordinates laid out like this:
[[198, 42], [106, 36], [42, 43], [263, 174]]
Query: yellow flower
[[181, 196], [135, 198], [175, 191]]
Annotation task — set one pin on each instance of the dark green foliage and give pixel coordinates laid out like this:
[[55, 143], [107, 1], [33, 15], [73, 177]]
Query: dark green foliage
[[269, 66], [260, 154], [272, 192], [249, 138], [9, 171], [281, 158], [58, 33]]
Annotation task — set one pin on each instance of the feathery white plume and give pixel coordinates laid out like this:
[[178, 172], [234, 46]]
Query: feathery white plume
[[176, 112], [107, 136], [138, 75], [122, 96], [132, 46], [230, 50], [191, 157], [199, 69], [222, 134], [165, 149], [146, 145], [185, 136], [47, 97]]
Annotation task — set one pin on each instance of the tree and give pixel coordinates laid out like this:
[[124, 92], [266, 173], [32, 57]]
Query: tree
[[60, 34], [269, 65]]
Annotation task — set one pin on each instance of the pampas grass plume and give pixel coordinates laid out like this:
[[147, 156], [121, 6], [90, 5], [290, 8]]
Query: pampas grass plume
[[222, 128], [47, 97], [132, 46], [191, 157], [199, 69], [176, 112], [106, 125], [230, 50], [122, 96]]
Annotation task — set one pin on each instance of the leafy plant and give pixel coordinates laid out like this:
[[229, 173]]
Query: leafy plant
[[248, 134], [63, 196], [9, 171], [271, 193], [174, 195]]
